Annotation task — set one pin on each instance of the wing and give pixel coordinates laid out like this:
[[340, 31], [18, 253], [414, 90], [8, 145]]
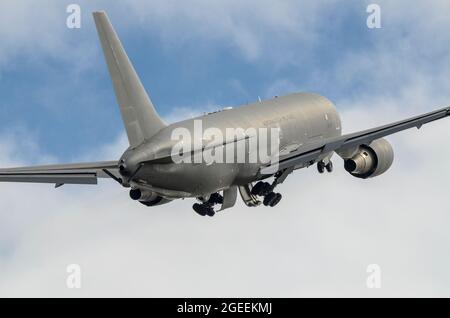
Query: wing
[[77, 173], [340, 144]]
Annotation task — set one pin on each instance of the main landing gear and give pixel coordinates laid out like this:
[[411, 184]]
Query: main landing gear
[[265, 189], [321, 166], [207, 207]]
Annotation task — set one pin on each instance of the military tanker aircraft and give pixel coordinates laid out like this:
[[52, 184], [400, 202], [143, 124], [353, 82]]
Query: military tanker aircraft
[[309, 134]]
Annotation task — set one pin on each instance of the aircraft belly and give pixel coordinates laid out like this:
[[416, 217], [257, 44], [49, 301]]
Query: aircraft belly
[[195, 179]]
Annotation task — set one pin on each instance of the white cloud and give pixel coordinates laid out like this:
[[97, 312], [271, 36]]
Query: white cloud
[[37, 30], [317, 242], [249, 26]]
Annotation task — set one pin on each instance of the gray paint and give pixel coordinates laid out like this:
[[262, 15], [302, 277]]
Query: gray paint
[[312, 114]]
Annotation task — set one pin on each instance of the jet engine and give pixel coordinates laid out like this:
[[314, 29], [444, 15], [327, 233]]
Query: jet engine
[[370, 160], [147, 197]]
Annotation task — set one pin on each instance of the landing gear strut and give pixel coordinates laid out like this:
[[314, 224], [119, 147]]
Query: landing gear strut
[[207, 207]]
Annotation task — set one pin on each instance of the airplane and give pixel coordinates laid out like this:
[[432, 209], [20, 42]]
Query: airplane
[[309, 134]]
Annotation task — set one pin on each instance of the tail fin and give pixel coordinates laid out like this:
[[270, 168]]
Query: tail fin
[[140, 117]]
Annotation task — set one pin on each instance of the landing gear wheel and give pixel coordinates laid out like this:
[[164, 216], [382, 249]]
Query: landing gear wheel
[[276, 200], [200, 209], [257, 188], [268, 199], [329, 167], [210, 211], [321, 167], [261, 188], [215, 198]]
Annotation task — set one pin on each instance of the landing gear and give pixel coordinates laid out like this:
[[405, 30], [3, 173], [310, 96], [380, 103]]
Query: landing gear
[[265, 189], [207, 207], [261, 189], [272, 199], [215, 198], [321, 166], [203, 209], [200, 209]]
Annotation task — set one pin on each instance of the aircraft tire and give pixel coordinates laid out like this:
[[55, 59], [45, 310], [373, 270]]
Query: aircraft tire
[[321, 167], [256, 190], [210, 211], [199, 208], [276, 200], [216, 198], [269, 198]]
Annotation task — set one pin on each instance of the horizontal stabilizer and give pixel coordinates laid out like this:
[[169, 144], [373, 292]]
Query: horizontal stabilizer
[[77, 173]]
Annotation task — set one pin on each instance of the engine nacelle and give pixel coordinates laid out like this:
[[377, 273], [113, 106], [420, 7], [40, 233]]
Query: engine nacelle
[[370, 160], [147, 197]]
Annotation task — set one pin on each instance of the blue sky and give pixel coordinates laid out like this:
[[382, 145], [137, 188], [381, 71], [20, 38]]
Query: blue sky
[[56, 98]]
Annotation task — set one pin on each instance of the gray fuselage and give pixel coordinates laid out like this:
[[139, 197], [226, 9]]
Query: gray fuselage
[[302, 118]]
